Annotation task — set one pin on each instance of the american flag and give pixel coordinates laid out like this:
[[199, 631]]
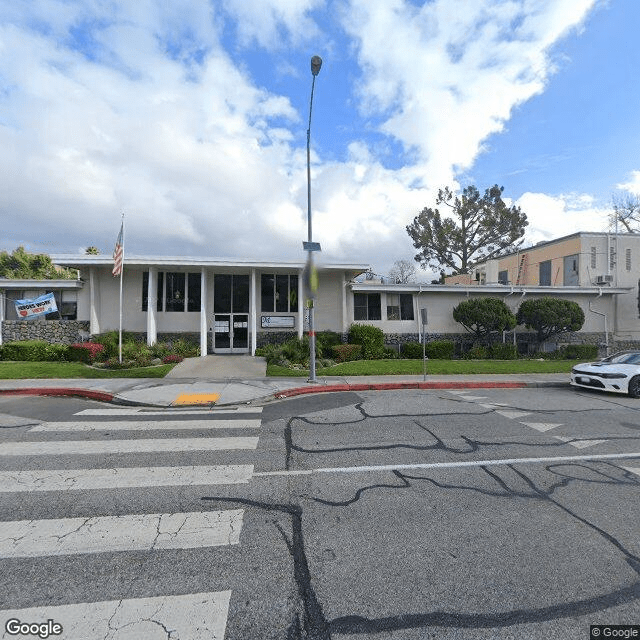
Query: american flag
[[118, 254]]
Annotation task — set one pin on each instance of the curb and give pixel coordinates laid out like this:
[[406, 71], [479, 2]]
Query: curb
[[386, 386], [105, 396], [59, 391], [90, 394]]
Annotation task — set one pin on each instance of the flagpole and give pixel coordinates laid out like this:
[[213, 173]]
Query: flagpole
[[121, 277]]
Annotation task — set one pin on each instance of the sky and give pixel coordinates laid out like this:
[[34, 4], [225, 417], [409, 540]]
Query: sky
[[191, 118]]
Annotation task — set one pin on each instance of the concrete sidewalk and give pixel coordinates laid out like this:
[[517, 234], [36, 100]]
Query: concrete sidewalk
[[173, 391]]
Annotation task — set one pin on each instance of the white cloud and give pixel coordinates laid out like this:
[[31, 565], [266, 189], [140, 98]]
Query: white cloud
[[633, 186], [448, 74], [267, 21], [144, 109], [556, 216]]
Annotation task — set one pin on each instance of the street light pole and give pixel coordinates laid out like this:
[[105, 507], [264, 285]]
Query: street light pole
[[316, 63]]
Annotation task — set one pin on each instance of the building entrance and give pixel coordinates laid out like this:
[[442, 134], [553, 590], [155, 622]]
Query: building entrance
[[231, 313]]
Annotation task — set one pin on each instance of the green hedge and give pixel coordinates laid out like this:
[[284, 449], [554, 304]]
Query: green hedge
[[346, 352], [325, 340], [411, 350], [34, 351], [440, 349], [579, 352], [370, 338], [435, 350], [477, 352], [503, 351]]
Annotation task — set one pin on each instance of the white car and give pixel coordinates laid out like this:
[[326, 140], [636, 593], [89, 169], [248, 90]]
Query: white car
[[619, 373]]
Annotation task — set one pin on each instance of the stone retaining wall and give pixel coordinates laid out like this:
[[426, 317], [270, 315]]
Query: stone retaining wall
[[52, 331]]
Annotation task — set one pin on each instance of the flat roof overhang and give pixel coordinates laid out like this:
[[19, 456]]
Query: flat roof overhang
[[504, 290], [80, 261], [40, 284]]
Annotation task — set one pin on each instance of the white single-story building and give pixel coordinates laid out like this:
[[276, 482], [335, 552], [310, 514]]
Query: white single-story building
[[229, 304], [234, 306]]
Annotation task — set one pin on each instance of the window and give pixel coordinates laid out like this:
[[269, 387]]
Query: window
[[612, 258], [181, 289], [571, 275], [175, 291], [68, 305], [503, 277], [628, 259], [267, 292], [10, 297], [240, 293], [282, 293], [593, 257], [193, 291], [399, 306], [366, 306], [279, 293], [545, 274]]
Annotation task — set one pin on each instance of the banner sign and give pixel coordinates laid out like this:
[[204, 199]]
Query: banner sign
[[38, 307]]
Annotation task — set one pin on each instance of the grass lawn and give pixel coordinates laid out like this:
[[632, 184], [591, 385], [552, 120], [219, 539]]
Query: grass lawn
[[18, 370], [434, 367]]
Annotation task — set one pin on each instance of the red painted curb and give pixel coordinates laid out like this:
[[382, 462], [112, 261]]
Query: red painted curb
[[58, 391], [388, 386]]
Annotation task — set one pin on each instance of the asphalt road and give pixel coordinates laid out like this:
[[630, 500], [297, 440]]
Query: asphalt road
[[387, 515]]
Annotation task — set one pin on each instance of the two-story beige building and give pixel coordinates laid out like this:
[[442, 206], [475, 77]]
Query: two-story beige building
[[601, 262]]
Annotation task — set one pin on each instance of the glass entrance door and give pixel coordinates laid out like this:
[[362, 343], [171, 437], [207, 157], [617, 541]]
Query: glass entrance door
[[231, 313]]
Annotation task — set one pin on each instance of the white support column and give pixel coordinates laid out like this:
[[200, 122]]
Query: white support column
[[253, 316], [152, 306], [203, 313], [300, 305], [3, 303], [94, 324], [344, 302]]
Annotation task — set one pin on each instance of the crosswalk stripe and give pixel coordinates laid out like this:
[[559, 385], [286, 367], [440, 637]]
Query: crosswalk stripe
[[136, 532], [635, 470], [85, 447], [147, 425], [195, 616], [579, 443], [513, 414], [120, 478], [541, 426], [168, 412]]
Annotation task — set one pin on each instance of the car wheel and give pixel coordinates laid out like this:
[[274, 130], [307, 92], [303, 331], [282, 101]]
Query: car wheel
[[634, 387]]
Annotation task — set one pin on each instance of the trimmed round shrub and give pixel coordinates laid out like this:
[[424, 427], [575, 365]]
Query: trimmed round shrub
[[370, 338]]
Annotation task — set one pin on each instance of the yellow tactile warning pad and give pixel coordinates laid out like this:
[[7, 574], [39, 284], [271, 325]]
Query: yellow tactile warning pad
[[197, 398]]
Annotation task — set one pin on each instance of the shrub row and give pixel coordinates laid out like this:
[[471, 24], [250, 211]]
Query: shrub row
[[103, 350], [34, 351], [436, 350], [572, 352]]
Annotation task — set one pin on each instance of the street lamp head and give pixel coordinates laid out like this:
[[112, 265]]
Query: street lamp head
[[316, 63]]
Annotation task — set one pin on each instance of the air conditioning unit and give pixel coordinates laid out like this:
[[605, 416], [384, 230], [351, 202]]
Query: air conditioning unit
[[604, 279]]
